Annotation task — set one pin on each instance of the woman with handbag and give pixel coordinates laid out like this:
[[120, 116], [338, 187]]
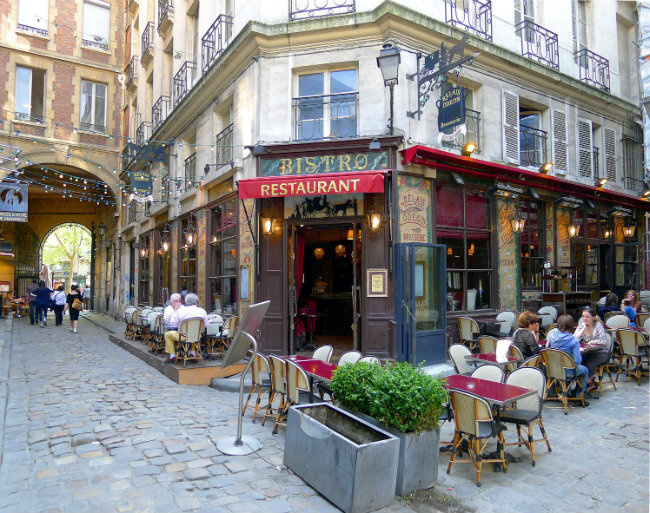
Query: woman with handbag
[[74, 304]]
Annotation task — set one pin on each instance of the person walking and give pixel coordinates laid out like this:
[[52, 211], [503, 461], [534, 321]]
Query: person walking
[[32, 300], [42, 294], [70, 305], [58, 298]]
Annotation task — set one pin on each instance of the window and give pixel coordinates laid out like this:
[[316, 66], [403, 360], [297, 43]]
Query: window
[[472, 122], [33, 16], [30, 93], [326, 106], [632, 157], [96, 21], [145, 275], [524, 12], [532, 140], [533, 247], [579, 26], [463, 225], [223, 257], [93, 106], [188, 256]]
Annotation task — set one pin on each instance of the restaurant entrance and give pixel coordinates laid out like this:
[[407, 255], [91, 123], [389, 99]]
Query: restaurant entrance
[[324, 285]]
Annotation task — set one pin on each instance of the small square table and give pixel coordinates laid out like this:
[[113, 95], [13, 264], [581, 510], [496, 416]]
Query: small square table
[[491, 358], [497, 394]]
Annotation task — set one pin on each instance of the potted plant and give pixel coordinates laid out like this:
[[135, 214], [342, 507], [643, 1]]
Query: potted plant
[[407, 403]]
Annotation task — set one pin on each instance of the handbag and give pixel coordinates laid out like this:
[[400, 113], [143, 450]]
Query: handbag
[[77, 304]]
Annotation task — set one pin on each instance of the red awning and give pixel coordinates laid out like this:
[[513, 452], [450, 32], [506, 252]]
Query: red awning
[[311, 185]]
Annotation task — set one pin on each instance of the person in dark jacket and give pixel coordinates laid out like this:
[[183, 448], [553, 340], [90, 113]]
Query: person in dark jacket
[[612, 304], [32, 300], [562, 338], [527, 335], [42, 294], [74, 313]]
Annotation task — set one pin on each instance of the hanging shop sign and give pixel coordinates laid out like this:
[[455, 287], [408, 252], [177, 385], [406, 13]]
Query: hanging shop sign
[[141, 182], [319, 164], [13, 202], [339, 183], [451, 109]]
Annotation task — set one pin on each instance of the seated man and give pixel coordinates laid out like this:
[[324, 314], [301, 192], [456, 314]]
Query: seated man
[[189, 311]]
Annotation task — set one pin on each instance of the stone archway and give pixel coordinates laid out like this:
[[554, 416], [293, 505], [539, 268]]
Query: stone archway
[[79, 240]]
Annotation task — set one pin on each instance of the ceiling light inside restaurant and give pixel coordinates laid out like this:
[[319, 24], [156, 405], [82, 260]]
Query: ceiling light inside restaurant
[[319, 253], [340, 251]]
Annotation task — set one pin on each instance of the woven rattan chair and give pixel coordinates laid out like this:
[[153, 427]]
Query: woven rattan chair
[[529, 409], [547, 315], [487, 344], [475, 424], [370, 359], [646, 326], [278, 387], [130, 313], [617, 321], [550, 327], [347, 358], [157, 335], [469, 331], [609, 366], [213, 344], [261, 382], [533, 361], [190, 334], [227, 333], [506, 320], [557, 364], [488, 372], [457, 353], [323, 353], [151, 319], [515, 352], [633, 350], [641, 318], [297, 381]]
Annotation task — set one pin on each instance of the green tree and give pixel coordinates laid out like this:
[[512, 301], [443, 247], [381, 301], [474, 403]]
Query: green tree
[[66, 245]]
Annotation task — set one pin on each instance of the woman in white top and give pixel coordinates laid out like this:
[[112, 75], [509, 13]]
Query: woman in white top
[[593, 339]]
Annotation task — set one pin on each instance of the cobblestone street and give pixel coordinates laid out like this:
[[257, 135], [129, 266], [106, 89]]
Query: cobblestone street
[[89, 427]]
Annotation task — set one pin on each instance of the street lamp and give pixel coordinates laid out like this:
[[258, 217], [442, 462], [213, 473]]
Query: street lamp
[[102, 231], [388, 62]]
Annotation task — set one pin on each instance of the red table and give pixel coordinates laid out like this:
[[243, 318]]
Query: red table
[[317, 369], [490, 358], [497, 394]]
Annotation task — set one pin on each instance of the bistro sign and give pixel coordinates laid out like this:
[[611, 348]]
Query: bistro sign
[[320, 164], [451, 109]]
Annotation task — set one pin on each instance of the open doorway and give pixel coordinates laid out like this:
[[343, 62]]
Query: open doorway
[[324, 286]]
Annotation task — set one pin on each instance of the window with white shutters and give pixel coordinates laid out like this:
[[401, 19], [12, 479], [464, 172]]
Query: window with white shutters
[[559, 141], [610, 154], [510, 127], [585, 165]]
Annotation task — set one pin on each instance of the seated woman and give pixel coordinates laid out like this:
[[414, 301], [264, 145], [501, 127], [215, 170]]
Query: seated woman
[[612, 304], [631, 305], [527, 335], [591, 333], [562, 339]]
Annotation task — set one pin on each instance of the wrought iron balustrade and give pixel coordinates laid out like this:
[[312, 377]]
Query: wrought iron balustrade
[[34, 30], [473, 133], [143, 133], [160, 111], [190, 171], [147, 39], [633, 184], [474, 16], [224, 146], [532, 146], [539, 44], [332, 116], [593, 68], [132, 70], [96, 42], [90, 127], [216, 39], [183, 81], [165, 10], [596, 157], [305, 9], [133, 211], [23, 116], [128, 154]]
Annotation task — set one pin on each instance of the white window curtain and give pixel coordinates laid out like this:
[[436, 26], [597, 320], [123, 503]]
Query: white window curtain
[[33, 13], [96, 19]]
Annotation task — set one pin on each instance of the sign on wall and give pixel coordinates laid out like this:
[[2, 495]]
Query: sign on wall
[[508, 261], [13, 202], [141, 182], [451, 109], [318, 164], [414, 209]]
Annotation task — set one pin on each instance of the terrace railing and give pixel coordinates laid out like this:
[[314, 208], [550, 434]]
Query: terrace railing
[[224, 146], [190, 171], [305, 9], [325, 116], [593, 68], [474, 16], [539, 44], [160, 111], [183, 81], [215, 40]]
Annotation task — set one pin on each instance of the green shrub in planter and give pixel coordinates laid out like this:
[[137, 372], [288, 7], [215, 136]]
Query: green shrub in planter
[[397, 395]]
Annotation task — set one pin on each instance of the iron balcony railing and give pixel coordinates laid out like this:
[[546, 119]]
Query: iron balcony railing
[[596, 157], [332, 116], [473, 133], [133, 211], [128, 154], [224, 146], [190, 171], [633, 184], [33, 30], [95, 42], [165, 9], [183, 81], [532, 146], [132, 70], [303, 9], [474, 16], [539, 44], [216, 39], [147, 39], [593, 68], [23, 116], [143, 133], [160, 111], [90, 127]]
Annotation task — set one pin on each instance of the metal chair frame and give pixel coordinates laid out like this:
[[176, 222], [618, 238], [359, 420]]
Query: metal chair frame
[[633, 349], [190, 334], [557, 363], [468, 327], [261, 382]]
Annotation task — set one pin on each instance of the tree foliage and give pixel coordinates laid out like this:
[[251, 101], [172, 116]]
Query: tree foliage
[[65, 246]]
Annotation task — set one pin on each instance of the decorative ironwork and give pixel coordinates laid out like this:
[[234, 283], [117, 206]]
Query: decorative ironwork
[[224, 146], [147, 41], [305, 9], [596, 156], [326, 116], [160, 111], [132, 70], [183, 81], [475, 16], [472, 134], [593, 68], [90, 127], [165, 10], [34, 30], [190, 171], [98, 42], [133, 211], [143, 133], [215, 40], [539, 44], [532, 146], [23, 116]]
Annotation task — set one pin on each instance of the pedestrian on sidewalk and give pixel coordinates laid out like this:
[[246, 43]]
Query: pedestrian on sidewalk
[[58, 298], [74, 313], [42, 294], [32, 300]]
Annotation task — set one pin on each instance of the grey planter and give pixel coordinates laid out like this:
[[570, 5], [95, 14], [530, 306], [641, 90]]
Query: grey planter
[[417, 468], [350, 462]]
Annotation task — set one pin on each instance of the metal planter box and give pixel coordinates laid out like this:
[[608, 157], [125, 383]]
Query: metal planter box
[[349, 461]]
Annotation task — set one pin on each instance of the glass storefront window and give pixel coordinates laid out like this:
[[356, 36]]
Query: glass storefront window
[[532, 243], [145, 275], [223, 258], [188, 258]]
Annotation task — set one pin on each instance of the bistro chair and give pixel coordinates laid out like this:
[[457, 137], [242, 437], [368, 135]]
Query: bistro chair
[[488, 372], [144, 323], [476, 426], [547, 315], [533, 361], [646, 326], [469, 331], [278, 387], [227, 333], [151, 319], [528, 411], [129, 317], [297, 381], [212, 336], [323, 353], [158, 309], [261, 382], [514, 351], [190, 333], [557, 364], [157, 332], [457, 353], [506, 320], [550, 328], [617, 321], [487, 344], [634, 350], [370, 359], [641, 318], [609, 366], [347, 358]]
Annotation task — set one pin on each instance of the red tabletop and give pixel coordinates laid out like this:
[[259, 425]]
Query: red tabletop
[[490, 358], [495, 393], [318, 368], [294, 357]]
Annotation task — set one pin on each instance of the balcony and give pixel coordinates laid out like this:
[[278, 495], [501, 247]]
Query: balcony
[[147, 44], [301, 9], [96, 43], [325, 116], [539, 44], [32, 30], [165, 16], [128, 155], [473, 16], [132, 73], [133, 212], [532, 146], [472, 124], [215, 40], [593, 69], [190, 171], [160, 111], [183, 82], [224, 146], [143, 134]]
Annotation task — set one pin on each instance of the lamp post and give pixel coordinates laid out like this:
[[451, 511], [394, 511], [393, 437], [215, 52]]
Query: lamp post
[[388, 62]]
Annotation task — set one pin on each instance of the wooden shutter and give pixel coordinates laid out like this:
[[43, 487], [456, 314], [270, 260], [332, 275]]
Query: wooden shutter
[[610, 154], [585, 160], [559, 141], [510, 127]]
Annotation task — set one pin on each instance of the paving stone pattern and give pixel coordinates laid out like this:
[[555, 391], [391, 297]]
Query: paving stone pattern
[[89, 427]]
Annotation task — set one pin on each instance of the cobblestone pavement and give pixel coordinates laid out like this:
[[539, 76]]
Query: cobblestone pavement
[[89, 427]]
